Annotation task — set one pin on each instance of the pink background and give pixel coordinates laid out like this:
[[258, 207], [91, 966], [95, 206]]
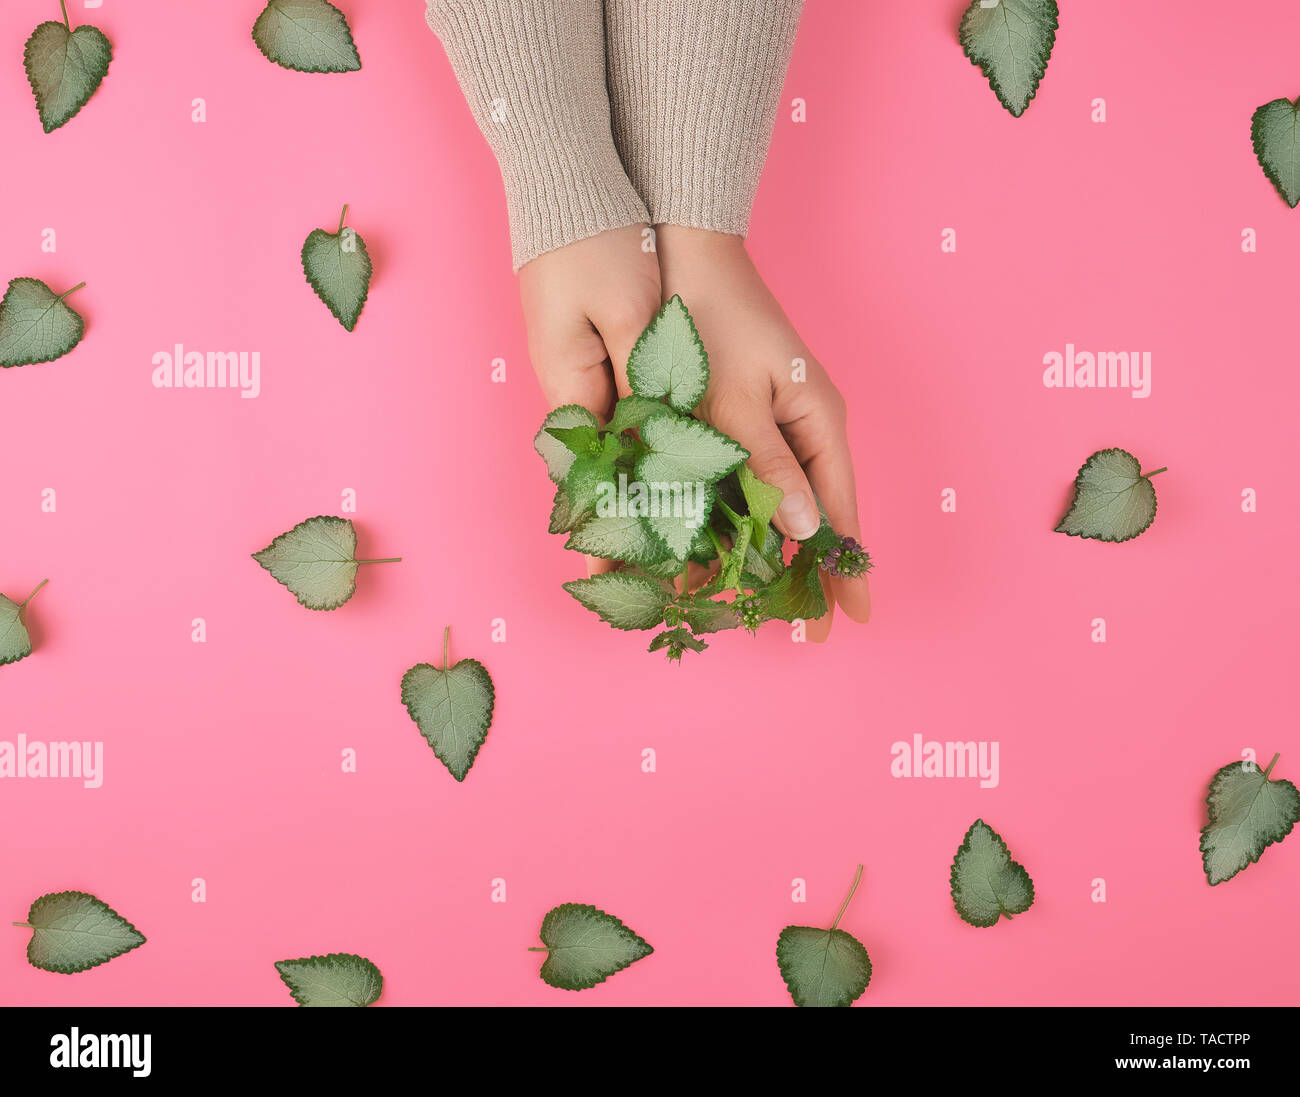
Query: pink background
[[222, 759]]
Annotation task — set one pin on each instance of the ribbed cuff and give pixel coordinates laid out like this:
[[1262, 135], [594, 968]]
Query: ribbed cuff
[[533, 73], [694, 87]]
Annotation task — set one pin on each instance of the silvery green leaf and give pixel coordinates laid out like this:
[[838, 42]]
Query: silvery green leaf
[[822, 967], [624, 601], [1011, 41], [35, 324], [64, 68], [559, 459], [986, 883], [452, 707], [306, 36], [73, 931], [1275, 134], [1113, 499], [669, 361], [585, 946], [337, 267], [337, 979], [1248, 813]]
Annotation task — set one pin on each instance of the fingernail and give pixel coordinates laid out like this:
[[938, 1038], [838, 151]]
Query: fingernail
[[798, 516]]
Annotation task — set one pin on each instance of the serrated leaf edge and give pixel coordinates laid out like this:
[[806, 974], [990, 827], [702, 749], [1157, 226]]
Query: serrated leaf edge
[[297, 597], [1078, 481], [988, 74], [579, 584], [27, 68], [318, 288], [81, 322], [1257, 143], [699, 343], [492, 702], [315, 962], [785, 974], [66, 969], [347, 30], [1011, 863], [1205, 830], [618, 922]]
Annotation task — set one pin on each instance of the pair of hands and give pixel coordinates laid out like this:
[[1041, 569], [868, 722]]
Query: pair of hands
[[586, 304]]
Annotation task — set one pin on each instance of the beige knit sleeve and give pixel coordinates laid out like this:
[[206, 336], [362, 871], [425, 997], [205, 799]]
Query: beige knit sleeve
[[694, 87], [533, 73]]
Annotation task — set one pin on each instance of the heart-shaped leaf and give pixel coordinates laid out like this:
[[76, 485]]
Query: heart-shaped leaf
[[451, 706], [338, 979], [585, 946], [73, 931], [1248, 813], [669, 360], [306, 36], [64, 67], [35, 324], [15, 641], [317, 561], [824, 967], [337, 267], [986, 883], [1275, 134], [1114, 499], [1011, 41]]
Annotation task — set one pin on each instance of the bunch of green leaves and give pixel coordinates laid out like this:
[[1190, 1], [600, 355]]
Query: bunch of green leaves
[[653, 441]]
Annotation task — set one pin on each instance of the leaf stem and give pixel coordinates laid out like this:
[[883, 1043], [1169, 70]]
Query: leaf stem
[[342, 218], [1148, 475], [25, 925], [33, 593], [1271, 765], [536, 949], [446, 647], [64, 5], [848, 898], [70, 292], [386, 560]]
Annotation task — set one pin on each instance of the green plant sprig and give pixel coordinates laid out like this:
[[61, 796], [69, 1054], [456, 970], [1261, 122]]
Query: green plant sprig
[[657, 490]]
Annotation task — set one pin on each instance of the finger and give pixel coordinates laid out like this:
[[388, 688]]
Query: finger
[[591, 386], [821, 443], [748, 419], [620, 325], [598, 566]]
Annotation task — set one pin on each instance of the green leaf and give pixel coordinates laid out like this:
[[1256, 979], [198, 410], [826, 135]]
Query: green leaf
[[631, 412], [675, 531], [339, 979], [452, 707], [582, 440], [15, 640], [1248, 813], [1011, 42], [73, 931], [614, 538], [797, 593], [1275, 134], [626, 602], [765, 564], [676, 641], [585, 946], [591, 475], [669, 360], [558, 457], [337, 267], [762, 499], [564, 519], [64, 68], [685, 450], [317, 561], [705, 615], [1113, 499], [35, 325], [824, 967], [735, 564], [986, 883], [306, 36]]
